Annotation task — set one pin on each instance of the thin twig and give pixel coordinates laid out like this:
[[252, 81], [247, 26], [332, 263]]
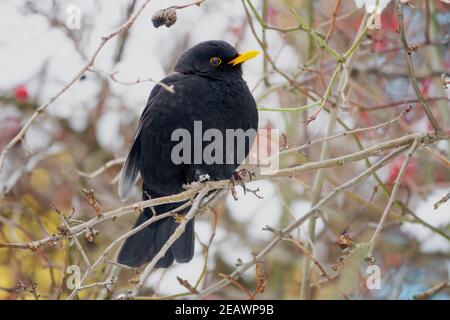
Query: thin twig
[[196, 187], [391, 200], [341, 134], [177, 233], [443, 200], [195, 3], [105, 253], [411, 72], [30, 166], [113, 77], [20, 135], [432, 291], [305, 288], [393, 103], [310, 256], [75, 239], [100, 170], [314, 210]]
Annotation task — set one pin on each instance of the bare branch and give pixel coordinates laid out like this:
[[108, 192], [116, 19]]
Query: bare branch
[[314, 210], [89, 63], [102, 169], [432, 291], [391, 201], [177, 233], [411, 72]]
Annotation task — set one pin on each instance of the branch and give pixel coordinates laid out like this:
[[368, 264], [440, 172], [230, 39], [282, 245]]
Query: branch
[[412, 76], [314, 210], [196, 187], [394, 103], [432, 291], [195, 3], [443, 200], [125, 26], [391, 200], [177, 233], [310, 256], [105, 253], [112, 77], [100, 170], [360, 155], [32, 163], [74, 238], [319, 178], [342, 134]]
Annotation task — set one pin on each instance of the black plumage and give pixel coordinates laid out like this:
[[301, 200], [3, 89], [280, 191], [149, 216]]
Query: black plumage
[[208, 87]]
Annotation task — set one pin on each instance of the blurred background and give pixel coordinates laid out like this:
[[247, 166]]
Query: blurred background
[[95, 120]]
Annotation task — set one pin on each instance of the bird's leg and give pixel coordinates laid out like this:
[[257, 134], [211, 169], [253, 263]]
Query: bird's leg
[[242, 173], [240, 176], [233, 189]]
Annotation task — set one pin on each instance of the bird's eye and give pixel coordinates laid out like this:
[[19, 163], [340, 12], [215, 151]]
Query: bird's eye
[[215, 61]]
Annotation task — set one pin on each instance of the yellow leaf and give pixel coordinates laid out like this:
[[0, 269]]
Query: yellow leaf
[[40, 180], [6, 280], [30, 202]]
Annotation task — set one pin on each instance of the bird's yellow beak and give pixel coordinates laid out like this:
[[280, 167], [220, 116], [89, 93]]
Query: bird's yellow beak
[[242, 57]]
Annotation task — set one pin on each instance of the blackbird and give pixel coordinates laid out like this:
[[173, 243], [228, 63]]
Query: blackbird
[[208, 90]]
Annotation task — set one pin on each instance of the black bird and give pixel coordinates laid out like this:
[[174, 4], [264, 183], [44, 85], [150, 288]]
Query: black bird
[[209, 87]]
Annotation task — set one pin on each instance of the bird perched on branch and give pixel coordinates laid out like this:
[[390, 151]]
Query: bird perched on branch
[[208, 91]]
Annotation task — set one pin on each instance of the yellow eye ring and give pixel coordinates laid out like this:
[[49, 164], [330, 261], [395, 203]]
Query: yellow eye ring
[[215, 61]]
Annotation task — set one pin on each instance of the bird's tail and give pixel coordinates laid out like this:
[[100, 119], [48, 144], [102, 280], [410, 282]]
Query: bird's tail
[[142, 247]]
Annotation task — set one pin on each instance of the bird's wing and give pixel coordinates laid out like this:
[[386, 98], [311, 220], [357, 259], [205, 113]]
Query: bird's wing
[[131, 168]]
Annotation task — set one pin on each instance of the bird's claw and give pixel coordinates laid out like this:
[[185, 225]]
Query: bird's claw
[[240, 177]]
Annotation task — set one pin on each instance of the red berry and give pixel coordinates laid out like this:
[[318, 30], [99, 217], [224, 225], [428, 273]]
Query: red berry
[[237, 30], [395, 165], [271, 14], [380, 45], [21, 93], [389, 22], [426, 84]]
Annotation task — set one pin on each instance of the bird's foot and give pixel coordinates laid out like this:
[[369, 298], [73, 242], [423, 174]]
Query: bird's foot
[[240, 177]]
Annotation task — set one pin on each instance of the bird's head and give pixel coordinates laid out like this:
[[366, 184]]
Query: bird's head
[[215, 59]]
